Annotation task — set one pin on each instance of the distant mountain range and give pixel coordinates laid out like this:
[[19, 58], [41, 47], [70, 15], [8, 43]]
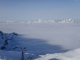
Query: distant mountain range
[[44, 21]]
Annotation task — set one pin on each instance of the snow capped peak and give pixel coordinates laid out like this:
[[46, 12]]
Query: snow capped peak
[[66, 21], [41, 21], [53, 21], [10, 22]]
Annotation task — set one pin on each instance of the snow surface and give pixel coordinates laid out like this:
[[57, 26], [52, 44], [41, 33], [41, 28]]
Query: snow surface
[[70, 55], [49, 40]]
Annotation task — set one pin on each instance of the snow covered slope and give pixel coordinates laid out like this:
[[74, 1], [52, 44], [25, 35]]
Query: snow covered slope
[[70, 55]]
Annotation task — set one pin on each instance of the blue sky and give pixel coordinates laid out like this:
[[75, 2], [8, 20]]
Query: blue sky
[[26, 10]]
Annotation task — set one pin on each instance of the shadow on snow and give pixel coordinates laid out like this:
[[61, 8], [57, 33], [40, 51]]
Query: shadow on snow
[[38, 46], [33, 46]]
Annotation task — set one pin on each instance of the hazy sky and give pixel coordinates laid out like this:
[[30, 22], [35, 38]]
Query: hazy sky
[[25, 10]]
